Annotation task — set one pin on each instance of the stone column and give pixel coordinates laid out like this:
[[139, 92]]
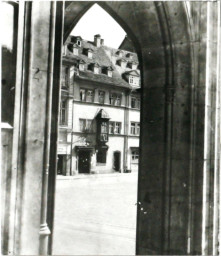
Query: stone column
[[34, 92]]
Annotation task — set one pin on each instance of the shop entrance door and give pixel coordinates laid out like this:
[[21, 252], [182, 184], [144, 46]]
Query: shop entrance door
[[84, 162], [60, 168]]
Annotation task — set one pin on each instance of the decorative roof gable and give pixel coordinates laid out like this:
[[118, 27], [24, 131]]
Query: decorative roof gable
[[102, 114]]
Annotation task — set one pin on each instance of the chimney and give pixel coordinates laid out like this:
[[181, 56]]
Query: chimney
[[102, 41], [97, 40]]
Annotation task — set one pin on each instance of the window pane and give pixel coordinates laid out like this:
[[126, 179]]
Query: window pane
[[101, 97], [82, 94], [104, 127], [133, 102], [132, 129], [118, 100], [111, 127], [117, 128], [63, 112], [90, 96]]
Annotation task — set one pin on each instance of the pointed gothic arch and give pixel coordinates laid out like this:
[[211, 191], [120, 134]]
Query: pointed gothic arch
[[180, 66]]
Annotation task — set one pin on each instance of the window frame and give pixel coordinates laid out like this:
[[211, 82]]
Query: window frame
[[115, 99], [135, 156], [136, 101], [63, 112], [101, 97], [113, 127], [86, 96], [135, 129], [101, 156], [87, 125]]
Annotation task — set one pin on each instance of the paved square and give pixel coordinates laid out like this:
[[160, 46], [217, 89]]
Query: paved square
[[96, 215]]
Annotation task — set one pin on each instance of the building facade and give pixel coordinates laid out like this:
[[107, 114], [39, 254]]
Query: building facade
[[99, 109]]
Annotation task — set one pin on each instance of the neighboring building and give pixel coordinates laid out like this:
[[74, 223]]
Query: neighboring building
[[100, 107], [127, 45]]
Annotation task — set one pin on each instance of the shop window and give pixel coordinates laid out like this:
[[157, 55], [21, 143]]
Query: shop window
[[135, 128], [63, 112], [102, 156], [86, 125]]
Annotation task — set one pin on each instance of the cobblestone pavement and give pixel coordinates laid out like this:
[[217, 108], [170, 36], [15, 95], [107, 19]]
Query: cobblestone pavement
[[96, 215]]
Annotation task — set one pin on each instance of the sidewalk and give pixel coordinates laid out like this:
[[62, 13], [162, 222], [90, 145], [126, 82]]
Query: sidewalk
[[101, 175]]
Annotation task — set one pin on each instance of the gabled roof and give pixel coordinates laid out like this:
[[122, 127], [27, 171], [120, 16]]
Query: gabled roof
[[81, 61], [105, 57], [132, 73]]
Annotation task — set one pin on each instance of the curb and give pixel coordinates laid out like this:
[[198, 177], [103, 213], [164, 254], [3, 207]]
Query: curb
[[86, 176]]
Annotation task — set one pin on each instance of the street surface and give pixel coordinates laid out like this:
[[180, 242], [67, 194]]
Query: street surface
[[96, 215]]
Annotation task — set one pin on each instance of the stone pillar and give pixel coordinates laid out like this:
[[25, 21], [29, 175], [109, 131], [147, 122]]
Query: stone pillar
[[34, 76]]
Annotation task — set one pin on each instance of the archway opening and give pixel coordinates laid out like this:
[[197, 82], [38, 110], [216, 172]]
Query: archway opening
[[98, 142]]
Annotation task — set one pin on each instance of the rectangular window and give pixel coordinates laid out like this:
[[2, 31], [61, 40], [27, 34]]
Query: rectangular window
[[90, 96], [63, 112], [102, 156], [135, 102], [82, 95], [111, 127], [101, 96], [104, 127], [135, 155], [103, 137], [86, 95], [135, 128], [114, 127], [86, 125], [117, 127], [131, 80], [118, 100], [115, 99], [112, 99]]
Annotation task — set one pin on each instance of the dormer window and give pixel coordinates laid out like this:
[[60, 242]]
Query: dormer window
[[119, 53], [134, 80], [81, 65], [96, 68], [129, 55], [79, 43], [89, 53], [75, 50], [122, 63], [132, 65], [108, 71]]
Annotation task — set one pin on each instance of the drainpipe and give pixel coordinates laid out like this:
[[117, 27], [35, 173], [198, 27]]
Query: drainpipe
[[126, 127], [44, 230]]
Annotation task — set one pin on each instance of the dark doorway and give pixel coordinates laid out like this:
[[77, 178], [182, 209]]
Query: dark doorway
[[61, 164], [117, 156], [84, 162]]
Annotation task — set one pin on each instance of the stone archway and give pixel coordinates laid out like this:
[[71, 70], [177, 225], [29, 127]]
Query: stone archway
[[165, 57]]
